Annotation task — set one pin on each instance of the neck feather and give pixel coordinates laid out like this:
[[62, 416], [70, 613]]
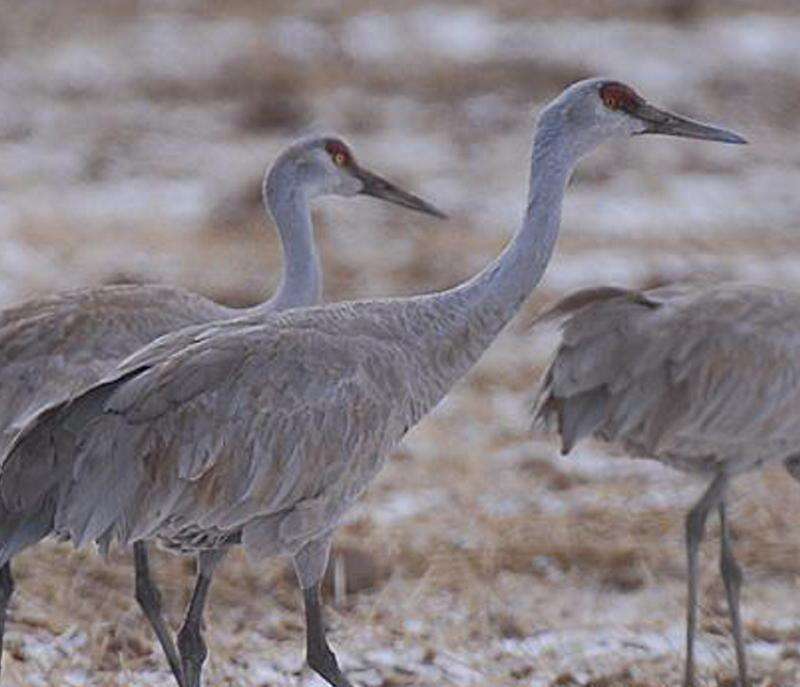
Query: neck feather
[[496, 294], [471, 315], [301, 279]]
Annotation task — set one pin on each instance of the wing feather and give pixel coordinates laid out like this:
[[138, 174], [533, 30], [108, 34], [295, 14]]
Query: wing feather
[[244, 423]]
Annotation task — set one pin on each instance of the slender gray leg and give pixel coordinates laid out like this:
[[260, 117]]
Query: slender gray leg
[[310, 564], [732, 577], [695, 525], [190, 637], [6, 590], [318, 654], [149, 599]]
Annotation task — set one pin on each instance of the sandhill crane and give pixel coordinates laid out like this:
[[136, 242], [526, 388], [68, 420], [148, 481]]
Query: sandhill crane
[[264, 433], [703, 378], [52, 348]]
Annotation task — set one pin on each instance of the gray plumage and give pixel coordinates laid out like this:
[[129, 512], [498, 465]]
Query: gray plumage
[[267, 432], [702, 378], [52, 348], [55, 348], [282, 473]]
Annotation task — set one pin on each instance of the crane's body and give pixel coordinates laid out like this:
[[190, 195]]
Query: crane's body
[[335, 388], [55, 348], [272, 429], [704, 378]]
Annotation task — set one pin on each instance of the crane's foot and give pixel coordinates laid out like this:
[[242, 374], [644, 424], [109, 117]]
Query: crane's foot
[[323, 662]]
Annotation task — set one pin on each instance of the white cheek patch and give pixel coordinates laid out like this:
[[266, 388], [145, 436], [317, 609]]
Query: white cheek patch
[[349, 185]]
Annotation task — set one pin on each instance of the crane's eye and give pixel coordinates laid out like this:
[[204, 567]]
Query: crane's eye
[[611, 101], [339, 153], [617, 96]]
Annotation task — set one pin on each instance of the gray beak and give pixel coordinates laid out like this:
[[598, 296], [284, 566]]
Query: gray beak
[[377, 187], [663, 122]]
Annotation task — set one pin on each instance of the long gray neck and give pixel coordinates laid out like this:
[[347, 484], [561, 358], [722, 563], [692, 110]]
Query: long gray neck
[[510, 278], [301, 281], [474, 313]]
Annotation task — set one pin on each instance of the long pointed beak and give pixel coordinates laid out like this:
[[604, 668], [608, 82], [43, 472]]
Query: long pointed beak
[[669, 124], [378, 187]]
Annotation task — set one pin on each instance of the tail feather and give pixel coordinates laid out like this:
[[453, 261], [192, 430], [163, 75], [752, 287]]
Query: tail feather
[[41, 457], [575, 397], [19, 531], [792, 465], [573, 418], [104, 470], [39, 467], [580, 416]]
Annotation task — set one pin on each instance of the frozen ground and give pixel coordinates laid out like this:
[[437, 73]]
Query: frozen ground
[[132, 140]]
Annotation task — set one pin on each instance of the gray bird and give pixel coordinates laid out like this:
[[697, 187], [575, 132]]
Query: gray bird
[[703, 378], [265, 432], [52, 349]]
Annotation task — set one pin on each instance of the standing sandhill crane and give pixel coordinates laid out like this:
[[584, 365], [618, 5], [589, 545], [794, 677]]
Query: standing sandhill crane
[[264, 433], [55, 347], [701, 378]]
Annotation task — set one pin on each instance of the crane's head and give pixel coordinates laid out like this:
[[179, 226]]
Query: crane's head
[[594, 110], [325, 165]]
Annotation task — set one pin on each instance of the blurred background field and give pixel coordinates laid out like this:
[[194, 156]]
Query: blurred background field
[[133, 136]]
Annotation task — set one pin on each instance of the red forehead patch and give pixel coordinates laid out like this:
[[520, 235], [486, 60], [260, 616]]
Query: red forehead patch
[[618, 96], [338, 151]]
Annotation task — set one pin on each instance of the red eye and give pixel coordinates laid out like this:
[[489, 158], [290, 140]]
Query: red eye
[[339, 153], [617, 96]]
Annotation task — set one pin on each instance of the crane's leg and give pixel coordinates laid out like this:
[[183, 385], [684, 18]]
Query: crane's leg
[[6, 590], [318, 653], [149, 599], [310, 564], [190, 637], [732, 577], [695, 526]]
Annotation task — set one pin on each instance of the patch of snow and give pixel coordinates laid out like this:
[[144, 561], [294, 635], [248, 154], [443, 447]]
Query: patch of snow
[[128, 203], [401, 505]]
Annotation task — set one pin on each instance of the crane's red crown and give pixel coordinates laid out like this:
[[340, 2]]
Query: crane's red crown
[[618, 96], [339, 152]]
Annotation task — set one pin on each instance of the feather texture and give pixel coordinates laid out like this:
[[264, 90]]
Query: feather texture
[[697, 376], [271, 429]]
